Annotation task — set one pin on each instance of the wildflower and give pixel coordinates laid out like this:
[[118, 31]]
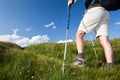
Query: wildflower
[[32, 77]]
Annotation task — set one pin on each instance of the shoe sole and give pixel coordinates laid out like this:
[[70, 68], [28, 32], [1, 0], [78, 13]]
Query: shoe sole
[[78, 66]]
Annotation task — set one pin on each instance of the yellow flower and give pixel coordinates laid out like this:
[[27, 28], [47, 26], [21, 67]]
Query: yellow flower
[[32, 77]]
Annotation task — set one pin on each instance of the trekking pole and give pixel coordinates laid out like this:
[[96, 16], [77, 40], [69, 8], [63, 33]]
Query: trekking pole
[[65, 49], [94, 47]]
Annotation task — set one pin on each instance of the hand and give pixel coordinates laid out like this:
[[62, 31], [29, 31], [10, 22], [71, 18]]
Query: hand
[[71, 2]]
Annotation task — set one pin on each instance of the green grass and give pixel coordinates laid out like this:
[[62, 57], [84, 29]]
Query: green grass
[[44, 62]]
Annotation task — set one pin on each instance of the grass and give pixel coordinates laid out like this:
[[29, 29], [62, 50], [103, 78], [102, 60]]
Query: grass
[[44, 62]]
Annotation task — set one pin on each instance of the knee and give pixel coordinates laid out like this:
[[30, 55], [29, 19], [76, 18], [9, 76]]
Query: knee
[[103, 39], [80, 34]]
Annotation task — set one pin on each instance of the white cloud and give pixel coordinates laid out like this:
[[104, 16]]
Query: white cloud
[[63, 41], [54, 27], [52, 24], [49, 25], [24, 41], [117, 23], [15, 31], [28, 29], [39, 39]]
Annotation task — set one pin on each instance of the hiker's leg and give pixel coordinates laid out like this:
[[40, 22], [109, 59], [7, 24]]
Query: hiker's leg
[[80, 59], [79, 41], [104, 41]]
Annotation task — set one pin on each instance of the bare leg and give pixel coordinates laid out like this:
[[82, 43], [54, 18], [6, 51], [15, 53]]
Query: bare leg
[[79, 41], [80, 60], [104, 41]]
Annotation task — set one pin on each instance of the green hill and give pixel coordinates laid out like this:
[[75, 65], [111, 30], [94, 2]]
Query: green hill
[[44, 62]]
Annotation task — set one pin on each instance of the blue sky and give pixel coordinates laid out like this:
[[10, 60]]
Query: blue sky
[[27, 22]]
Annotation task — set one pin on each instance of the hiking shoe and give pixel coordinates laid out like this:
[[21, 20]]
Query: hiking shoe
[[79, 62], [110, 67], [105, 67]]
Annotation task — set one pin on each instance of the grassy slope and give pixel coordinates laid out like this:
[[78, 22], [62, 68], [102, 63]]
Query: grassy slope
[[44, 62]]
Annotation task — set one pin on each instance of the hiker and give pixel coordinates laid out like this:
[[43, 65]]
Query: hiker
[[95, 18]]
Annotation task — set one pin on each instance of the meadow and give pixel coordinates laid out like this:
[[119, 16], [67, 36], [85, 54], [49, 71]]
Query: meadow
[[44, 62]]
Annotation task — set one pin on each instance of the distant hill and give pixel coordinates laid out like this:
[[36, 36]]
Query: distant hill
[[8, 45], [44, 62]]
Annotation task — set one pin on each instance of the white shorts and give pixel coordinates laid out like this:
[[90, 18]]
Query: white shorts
[[96, 19]]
